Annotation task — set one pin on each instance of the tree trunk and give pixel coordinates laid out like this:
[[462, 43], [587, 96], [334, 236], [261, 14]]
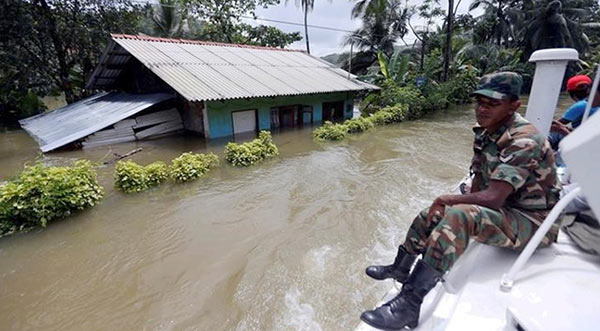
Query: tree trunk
[[448, 49], [423, 49], [499, 31], [63, 69], [306, 26]]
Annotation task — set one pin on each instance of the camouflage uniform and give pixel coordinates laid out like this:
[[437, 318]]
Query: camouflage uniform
[[517, 154]]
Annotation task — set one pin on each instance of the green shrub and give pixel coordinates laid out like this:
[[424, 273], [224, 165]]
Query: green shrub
[[382, 117], [156, 173], [356, 125], [251, 152], [268, 147], [330, 131], [191, 166], [461, 86], [130, 177], [437, 99], [400, 112], [41, 194], [390, 95]]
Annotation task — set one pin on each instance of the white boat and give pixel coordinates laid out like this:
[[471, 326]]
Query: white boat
[[553, 288]]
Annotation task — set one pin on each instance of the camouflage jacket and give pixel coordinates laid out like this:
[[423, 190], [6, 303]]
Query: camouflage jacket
[[519, 155]]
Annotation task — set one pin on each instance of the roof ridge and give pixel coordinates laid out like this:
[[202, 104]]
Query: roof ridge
[[197, 42]]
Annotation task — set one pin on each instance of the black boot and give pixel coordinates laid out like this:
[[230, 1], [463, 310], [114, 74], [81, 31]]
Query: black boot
[[403, 310], [399, 270]]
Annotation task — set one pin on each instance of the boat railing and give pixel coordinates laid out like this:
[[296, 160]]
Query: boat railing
[[507, 281]]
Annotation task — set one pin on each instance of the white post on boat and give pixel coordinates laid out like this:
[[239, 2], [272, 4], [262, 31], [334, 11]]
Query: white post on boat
[[550, 66], [507, 280]]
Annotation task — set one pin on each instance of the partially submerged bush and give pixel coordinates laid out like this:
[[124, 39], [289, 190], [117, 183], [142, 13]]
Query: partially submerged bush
[[156, 172], [130, 177], [357, 125], [330, 131], [268, 147], [191, 166], [44, 194], [390, 95], [251, 152]]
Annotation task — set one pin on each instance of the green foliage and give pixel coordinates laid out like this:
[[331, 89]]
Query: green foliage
[[269, 148], [220, 20], [330, 131], [392, 114], [251, 152], [55, 44], [382, 118], [130, 177], [41, 194], [392, 94], [357, 125], [459, 87], [168, 19], [191, 166], [156, 173], [383, 23]]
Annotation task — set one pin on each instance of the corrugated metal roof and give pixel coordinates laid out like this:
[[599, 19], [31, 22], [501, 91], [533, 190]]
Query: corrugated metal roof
[[65, 125], [215, 71]]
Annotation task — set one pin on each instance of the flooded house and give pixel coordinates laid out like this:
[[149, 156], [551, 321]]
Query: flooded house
[[157, 86]]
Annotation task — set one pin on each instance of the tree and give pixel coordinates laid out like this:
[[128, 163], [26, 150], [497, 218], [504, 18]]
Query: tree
[[428, 10], [58, 42], [499, 16], [307, 5], [222, 17], [556, 23], [383, 23], [168, 18], [448, 46]]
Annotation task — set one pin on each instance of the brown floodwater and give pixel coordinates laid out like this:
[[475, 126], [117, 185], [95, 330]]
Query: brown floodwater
[[280, 245]]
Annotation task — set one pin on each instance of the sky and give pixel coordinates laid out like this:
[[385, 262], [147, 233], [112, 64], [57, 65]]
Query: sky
[[334, 14]]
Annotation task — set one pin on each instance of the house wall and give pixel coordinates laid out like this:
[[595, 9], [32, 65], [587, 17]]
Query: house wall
[[193, 120], [219, 112]]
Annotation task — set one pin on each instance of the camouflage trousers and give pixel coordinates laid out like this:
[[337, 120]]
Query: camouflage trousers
[[444, 239]]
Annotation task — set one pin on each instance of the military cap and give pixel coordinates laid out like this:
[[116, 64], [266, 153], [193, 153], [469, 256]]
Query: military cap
[[500, 85]]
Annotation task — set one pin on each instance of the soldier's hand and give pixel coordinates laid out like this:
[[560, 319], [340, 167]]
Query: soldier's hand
[[435, 211]]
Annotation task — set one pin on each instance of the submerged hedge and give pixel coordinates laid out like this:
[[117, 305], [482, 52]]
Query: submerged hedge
[[132, 177], [191, 166], [40, 195], [251, 152], [387, 115]]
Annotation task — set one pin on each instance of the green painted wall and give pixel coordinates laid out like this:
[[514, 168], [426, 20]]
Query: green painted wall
[[219, 112]]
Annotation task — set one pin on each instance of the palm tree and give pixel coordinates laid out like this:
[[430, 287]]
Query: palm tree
[[307, 5], [383, 23], [555, 23], [168, 19], [500, 15]]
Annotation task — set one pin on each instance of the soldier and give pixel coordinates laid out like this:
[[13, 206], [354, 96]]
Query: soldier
[[513, 190]]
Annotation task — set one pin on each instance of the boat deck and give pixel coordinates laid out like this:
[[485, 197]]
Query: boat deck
[[559, 289]]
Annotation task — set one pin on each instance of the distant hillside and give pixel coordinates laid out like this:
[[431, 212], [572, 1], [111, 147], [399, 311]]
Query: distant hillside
[[340, 59], [336, 58]]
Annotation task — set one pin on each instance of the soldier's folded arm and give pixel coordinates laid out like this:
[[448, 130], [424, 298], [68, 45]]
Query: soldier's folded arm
[[517, 159]]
